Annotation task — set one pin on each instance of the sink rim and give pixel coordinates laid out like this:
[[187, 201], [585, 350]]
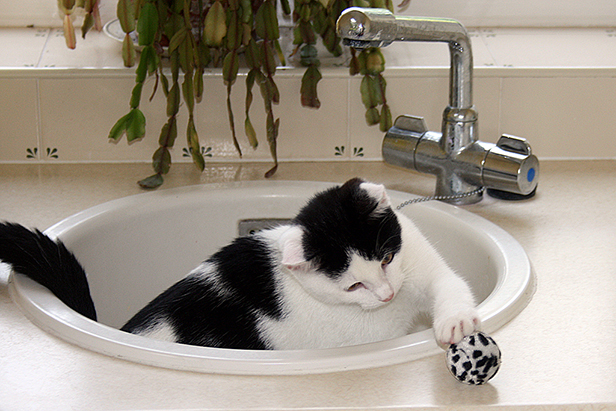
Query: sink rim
[[512, 293]]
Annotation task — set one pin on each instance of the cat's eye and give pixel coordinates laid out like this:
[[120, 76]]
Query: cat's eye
[[387, 259], [355, 286]]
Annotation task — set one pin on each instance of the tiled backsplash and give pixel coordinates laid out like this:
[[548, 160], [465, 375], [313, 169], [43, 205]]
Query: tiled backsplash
[[555, 87]]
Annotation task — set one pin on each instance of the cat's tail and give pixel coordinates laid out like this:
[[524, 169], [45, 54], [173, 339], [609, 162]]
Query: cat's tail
[[49, 263]]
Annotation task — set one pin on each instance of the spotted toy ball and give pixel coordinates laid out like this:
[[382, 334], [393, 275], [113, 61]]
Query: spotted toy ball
[[475, 359]]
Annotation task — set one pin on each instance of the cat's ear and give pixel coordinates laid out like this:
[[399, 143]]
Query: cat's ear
[[378, 193], [293, 251]]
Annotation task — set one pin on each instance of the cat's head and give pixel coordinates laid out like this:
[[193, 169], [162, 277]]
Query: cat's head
[[343, 245]]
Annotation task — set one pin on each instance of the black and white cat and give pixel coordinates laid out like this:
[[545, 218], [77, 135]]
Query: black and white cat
[[347, 270]]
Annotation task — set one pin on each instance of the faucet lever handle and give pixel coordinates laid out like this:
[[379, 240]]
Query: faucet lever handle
[[411, 123], [514, 144]]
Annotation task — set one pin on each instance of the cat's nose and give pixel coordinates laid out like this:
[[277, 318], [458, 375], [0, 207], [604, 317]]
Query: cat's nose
[[385, 293], [387, 298]]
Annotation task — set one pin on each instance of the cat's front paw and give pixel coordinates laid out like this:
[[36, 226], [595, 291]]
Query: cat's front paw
[[451, 329]]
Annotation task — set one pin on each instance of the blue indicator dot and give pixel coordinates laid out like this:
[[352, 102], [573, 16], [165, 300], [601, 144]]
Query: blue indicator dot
[[530, 176]]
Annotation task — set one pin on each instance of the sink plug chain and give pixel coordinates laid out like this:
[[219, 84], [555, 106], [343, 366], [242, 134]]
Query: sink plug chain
[[440, 198]]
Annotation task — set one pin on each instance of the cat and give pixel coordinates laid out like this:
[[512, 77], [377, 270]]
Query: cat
[[347, 270]]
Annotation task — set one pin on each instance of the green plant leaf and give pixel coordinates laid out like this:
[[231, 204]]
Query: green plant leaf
[[198, 82], [246, 7], [308, 92], [251, 134], [189, 93], [215, 26], [69, 32], [135, 98], [269, 59], [320, 20], [372, 116], [366, 90], [266, 21], [308, 55], [272, 170], [354, 68], [151, 182], [307, 32], [305, 11], [177, 39], [187, 54], [205, 56], [119, 128], [280, 53], [332, 41], [272, 127], [168, 133], [248, 128], [253, 55], [88, 23], [173, 100], [385, 122], [66, 6], [164, 82], [172, 24], [269, 90], [234, 31], [161, 160], [129, 55], [126, 14], [230, 67], [375, 62], [147, 25], [286, 8], [232, 120], [192, 139], [142, 68], [135, 128]]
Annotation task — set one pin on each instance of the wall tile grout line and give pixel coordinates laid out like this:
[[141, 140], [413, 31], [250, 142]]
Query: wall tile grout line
[[49, 33], [37, 114]]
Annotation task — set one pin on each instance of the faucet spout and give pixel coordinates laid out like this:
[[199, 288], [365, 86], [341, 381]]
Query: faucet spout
[[461, 163], [362, 28]]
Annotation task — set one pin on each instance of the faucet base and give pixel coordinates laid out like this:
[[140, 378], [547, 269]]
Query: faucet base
[[507, 196], [461, 173], [459, 196]]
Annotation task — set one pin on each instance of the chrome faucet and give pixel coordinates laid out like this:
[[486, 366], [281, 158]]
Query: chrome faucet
[[463, 165]]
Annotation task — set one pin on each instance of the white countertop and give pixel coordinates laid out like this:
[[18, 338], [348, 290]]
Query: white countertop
[[560, 351]]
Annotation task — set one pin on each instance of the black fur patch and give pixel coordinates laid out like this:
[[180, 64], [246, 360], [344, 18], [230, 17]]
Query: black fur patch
[[338, 221], [202, 315], [48, 263]]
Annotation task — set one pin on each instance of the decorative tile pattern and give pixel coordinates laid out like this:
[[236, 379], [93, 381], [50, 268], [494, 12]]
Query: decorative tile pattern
[[187, 152], [32, 153]]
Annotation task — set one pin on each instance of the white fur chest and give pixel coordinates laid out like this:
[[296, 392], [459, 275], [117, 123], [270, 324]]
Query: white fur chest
[[309, 323]]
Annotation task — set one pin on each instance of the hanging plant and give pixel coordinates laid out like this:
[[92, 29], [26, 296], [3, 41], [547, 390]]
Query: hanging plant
[[196, 34], [91, 18]]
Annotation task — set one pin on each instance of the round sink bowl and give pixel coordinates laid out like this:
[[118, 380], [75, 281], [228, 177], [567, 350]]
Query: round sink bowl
[[135, 247]]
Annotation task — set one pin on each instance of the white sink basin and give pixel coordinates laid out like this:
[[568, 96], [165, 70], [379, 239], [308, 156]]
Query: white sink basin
[[134, 248]]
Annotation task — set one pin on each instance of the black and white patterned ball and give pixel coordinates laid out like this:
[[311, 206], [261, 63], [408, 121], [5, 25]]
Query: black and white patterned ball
[[475, 359]]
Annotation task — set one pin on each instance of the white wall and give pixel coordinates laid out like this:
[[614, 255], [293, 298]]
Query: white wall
[[473, 13], [520, 13]]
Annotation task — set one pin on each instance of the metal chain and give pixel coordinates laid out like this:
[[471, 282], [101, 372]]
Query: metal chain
[[440, 198]]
